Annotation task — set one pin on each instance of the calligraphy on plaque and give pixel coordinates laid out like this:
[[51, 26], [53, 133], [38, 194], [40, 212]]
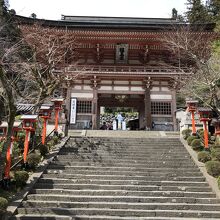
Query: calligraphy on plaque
[[73, 103]]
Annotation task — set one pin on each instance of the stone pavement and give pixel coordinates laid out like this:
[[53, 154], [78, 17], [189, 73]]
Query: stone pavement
[[122, 134], [106, 178]]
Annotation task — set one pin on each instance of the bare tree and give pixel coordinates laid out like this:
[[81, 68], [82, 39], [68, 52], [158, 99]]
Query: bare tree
[[194, 56], [49, 49], [32, 77]]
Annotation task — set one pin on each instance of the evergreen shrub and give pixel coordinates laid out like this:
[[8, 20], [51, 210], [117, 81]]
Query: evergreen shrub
[[196, 144], [200, 132], [43, 148], [33, 160], [204, 156], [50, 144], [61, 135], [16, 150], [218, 181], [21, 178], [3, 204], [215, 153], [55, 140], [186, 133], [190, 139], [213, 168]]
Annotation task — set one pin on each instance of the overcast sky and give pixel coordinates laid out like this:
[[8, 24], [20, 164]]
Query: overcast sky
[[52, 9]]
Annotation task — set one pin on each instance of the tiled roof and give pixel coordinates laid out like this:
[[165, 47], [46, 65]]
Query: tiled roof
[[79, 22], [25, 107]]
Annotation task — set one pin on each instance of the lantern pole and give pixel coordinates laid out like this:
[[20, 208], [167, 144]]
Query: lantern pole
[[205, 114], [28, 126], [6, 179], [192, 106], [57, 106], [216, 123], [45, 113]]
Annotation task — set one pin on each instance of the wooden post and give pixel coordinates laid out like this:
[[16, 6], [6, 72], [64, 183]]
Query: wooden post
[[191, 107], [26, 145], [56, 119], [193, 123], [174, 109], [44, 131], [94, 108], [205, 117], [8, 161], [147, 104], [57, 107], [206, 135]]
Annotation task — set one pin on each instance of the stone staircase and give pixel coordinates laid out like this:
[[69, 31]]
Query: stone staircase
[[116, 178]]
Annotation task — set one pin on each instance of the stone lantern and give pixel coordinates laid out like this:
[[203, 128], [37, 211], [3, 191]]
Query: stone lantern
[[57, 106], [28, 126], [216, 123], [16, 127], [192, 107], [205, 116], [3, 130], [45, 114]]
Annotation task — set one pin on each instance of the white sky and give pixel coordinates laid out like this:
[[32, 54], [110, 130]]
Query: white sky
[[52, 9]]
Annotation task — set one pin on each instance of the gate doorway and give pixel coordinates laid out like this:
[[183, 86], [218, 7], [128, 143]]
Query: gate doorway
[[109, 116], [130, 106]]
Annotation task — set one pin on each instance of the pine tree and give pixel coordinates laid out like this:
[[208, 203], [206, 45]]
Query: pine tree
[[213, 7], [197, 12]]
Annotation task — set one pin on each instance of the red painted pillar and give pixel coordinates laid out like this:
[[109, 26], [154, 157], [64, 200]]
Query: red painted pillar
[[44, 131], [193, 123], [56, 119], [206, 135], [8, 161], [26, 145]]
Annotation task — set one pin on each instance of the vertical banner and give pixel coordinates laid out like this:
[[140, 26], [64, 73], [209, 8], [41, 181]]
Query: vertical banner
[[73, 102]]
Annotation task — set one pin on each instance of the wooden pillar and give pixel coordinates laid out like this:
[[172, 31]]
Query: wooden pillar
[[94, 108], [173, 109], [147, 105], [68, 97], [98, 116], [141, 111]]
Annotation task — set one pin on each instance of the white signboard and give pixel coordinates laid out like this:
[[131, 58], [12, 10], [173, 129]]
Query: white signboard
[[73, 111]]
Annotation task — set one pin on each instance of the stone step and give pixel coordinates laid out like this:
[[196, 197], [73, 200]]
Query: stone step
[[126, 158], [126, 184], [151, 193], [148, 156], [130, 163], [113, 178], [109, 165], [122, 140], [45, 217], [128, 199], [115, 182], [162, 146], [94, 217], [128, 149], [121, 205], [124, 187], [121, 212], [68, 170], [125, 168], [120, 177]]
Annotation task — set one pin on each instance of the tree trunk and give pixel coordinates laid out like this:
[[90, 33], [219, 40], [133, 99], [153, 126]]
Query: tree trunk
[[11, 117]]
